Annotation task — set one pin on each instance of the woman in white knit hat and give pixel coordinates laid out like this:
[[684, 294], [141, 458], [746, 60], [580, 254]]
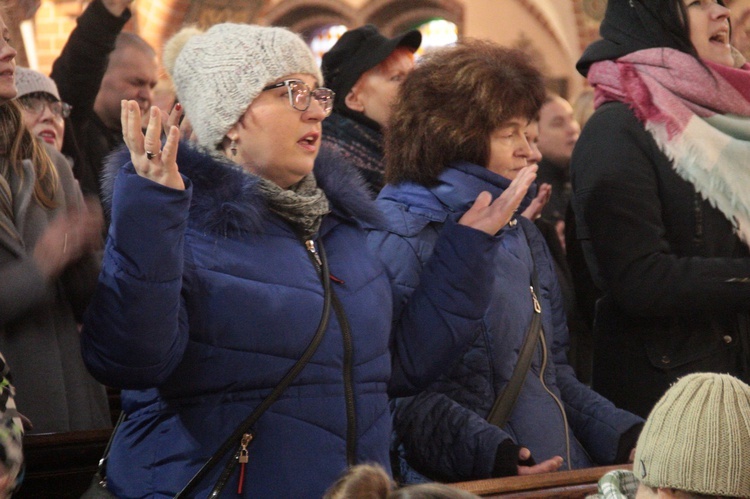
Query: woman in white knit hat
[[221, 260], [43, 111]]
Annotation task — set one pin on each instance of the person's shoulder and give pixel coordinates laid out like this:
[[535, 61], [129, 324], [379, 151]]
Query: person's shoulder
[[610, 117], [614, 132], [408, 208]]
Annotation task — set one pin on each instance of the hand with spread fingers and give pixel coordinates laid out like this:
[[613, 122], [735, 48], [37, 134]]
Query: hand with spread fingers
[[491, 216], [177, 118], [149, 158], [534, 211], [117, 7]]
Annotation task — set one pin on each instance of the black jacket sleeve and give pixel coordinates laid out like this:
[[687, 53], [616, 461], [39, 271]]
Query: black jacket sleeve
[[79, 69]]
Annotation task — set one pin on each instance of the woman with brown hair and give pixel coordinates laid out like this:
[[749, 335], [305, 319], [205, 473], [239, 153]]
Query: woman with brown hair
[[456, 141], [48, 272]]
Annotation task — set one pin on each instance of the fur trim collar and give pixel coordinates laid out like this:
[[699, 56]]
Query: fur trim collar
[[228, 200]]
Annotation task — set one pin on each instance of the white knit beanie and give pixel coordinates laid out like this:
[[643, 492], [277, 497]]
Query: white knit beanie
[[697, 438], [218, 74], [29, 81]]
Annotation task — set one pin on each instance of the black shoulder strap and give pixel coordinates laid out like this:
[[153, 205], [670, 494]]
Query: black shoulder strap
[[504, 403], [236, 437]]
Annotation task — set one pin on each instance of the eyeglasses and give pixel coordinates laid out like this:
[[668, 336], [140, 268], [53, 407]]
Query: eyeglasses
[[36, 106], [300, 95]]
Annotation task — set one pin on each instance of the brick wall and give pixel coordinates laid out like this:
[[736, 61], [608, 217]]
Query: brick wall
[[53, 23]]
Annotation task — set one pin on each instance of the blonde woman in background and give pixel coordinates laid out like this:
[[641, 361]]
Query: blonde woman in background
[[48, 271]]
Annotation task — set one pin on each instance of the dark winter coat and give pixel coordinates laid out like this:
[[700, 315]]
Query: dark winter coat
[[207, 298], [443, 430], [675, 277], [39, 318], [78, 73]]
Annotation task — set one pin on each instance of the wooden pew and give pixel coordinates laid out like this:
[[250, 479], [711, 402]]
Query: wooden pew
[[61, 465], [575, 484]]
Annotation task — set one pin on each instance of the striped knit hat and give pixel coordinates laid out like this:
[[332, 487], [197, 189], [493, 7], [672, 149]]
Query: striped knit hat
[[697, 438]]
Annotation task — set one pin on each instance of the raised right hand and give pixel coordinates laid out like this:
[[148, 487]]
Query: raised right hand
[[116, 7], [491, 216], [548, 466], [161, 167]]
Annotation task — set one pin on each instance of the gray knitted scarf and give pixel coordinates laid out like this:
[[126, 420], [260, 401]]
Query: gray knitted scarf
[[303, 205]]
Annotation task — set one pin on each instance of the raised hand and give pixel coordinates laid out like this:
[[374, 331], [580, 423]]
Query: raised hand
[[67, 238], [537, 204], [116, 7], [151, 162], [491, 216], [548, 466], [176, 118]]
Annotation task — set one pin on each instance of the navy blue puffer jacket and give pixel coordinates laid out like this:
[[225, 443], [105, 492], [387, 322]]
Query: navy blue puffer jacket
[[443, 430], [207, 298]]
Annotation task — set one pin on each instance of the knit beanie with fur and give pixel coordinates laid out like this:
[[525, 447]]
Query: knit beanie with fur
[[697, 438], [218, 73]]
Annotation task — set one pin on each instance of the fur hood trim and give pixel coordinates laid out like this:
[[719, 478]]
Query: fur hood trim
[[228, 200]]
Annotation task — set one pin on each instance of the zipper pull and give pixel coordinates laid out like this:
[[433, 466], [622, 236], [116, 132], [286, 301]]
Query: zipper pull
[[537, 306], [310, 245], [242, 459]]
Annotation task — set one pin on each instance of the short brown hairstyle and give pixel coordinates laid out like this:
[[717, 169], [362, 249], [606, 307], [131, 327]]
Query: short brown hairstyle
[[450, 104]]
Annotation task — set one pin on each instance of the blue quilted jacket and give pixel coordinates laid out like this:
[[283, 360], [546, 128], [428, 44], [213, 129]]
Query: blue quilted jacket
[[442, 431], [207, 298]]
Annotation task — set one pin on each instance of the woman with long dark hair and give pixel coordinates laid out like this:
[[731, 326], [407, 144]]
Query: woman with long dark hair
[[662, 197]]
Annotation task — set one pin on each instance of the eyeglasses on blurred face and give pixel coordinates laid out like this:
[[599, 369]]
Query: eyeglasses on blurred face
[[36, 104], [300, 95]]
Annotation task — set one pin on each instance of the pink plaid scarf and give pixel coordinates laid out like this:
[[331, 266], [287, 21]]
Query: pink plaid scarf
[[698, 116]]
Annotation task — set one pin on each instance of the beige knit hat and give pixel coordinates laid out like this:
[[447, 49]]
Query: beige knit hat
[[697, 437], [218, 74], [29, 81]]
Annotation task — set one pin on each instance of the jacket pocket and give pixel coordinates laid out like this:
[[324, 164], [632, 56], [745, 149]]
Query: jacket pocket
[[692, 344]]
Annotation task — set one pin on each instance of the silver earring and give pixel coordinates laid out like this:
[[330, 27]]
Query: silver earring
[[233, 148], [631, 4]]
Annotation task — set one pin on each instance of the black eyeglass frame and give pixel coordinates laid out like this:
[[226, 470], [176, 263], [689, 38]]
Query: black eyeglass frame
[[326, 102], [64, 108]]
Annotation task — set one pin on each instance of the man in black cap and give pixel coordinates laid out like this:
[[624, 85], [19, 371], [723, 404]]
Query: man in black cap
[[365, 69]]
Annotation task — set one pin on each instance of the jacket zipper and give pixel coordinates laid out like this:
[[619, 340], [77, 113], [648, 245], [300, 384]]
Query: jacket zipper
[[351, 417], [698, 212], [310, 246], [557, 401]]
